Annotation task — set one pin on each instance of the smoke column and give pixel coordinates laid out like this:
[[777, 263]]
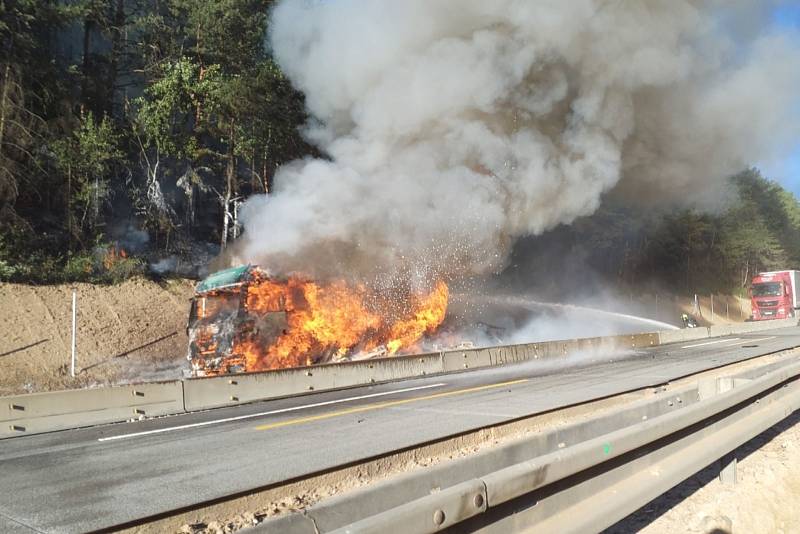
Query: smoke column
[[453, 127]]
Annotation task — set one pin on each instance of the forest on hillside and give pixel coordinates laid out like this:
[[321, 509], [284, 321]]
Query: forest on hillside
[[131, 131], [134, 121], [686, 251]]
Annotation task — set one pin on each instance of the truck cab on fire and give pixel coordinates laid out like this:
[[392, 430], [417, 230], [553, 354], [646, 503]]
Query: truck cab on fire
[[221, 324]]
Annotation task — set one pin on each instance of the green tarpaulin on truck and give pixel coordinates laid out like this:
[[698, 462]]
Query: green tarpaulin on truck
[[225, 278]]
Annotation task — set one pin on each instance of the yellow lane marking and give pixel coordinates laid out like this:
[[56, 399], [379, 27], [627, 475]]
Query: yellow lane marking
[[387, 404]]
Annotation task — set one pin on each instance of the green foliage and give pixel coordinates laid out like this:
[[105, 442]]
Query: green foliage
[[222, 106], [123, 270], [87, 158], [25, 257], [161, 115], [225, 32], [696, 252], [167, 111], [90, 267]]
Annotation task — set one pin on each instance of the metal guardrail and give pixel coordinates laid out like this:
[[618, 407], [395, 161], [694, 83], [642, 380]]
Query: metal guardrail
[[57, 410], [579, 478]]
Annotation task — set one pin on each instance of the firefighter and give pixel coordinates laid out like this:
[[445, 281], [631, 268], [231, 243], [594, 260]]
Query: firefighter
[[688, 321]]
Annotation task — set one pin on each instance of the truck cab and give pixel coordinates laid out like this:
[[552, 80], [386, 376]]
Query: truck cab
[[774, 295], [220, 323]]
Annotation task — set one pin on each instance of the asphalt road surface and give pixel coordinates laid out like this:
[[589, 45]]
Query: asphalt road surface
[[96, 478]]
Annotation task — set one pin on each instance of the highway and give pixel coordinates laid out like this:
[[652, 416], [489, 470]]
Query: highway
[[100, 477]]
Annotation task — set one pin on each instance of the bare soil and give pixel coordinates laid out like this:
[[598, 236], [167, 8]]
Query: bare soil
[[130, 332]]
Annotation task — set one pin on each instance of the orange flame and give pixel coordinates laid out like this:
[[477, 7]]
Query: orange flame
[[113, 255], [429, 313], [337, 319]]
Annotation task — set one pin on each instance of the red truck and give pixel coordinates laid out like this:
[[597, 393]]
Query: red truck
[[774, 295]]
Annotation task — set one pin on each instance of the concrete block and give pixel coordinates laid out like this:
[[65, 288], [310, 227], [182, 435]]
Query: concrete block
[[204, 393], [638, 341], [57, 410], [679, 336], [719, 330], [461, 360], [512, 354], [755, 326], [558, 349], [508, 354], [748, 327]]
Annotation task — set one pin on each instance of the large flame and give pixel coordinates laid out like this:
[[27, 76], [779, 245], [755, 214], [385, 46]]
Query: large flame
[[338, 319]]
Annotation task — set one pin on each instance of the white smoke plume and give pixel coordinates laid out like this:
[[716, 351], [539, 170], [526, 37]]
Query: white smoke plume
[[454, 127]]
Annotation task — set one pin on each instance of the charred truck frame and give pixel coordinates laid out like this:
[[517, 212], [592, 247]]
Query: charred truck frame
[[220, 322]]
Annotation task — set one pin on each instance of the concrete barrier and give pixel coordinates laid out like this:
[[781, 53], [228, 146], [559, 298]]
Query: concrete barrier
[[213, 392], [509, 354], [719, 330], [755, 326], [512, 354], [638, 341], [43, 412], [691, 334], [679, 336], [57, 410], [460, 360], [752, 326]]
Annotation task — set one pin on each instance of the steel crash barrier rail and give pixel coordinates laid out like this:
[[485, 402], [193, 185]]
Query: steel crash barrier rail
[[581, 477], [58, 410]]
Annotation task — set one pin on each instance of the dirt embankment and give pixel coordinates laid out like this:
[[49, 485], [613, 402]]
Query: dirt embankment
[[708, 309], [128, 332]]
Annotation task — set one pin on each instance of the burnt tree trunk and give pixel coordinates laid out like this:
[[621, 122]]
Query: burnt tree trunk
[[230, 174]]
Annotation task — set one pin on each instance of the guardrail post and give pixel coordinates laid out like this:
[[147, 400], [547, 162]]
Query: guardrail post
[[707, 388], [727, 464], [727, 469]]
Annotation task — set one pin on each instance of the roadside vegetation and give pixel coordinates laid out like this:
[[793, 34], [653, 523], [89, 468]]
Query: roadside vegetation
[[144, 117]]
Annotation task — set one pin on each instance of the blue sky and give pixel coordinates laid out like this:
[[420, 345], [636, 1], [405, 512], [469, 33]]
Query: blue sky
[[786, 15]]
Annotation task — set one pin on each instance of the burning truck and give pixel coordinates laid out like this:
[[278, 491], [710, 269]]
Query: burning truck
[[243, 320], [220, 321]]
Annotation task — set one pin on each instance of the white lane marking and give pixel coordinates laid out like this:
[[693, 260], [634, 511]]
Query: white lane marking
[[710, 343], [272, 412], [751, 341]]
